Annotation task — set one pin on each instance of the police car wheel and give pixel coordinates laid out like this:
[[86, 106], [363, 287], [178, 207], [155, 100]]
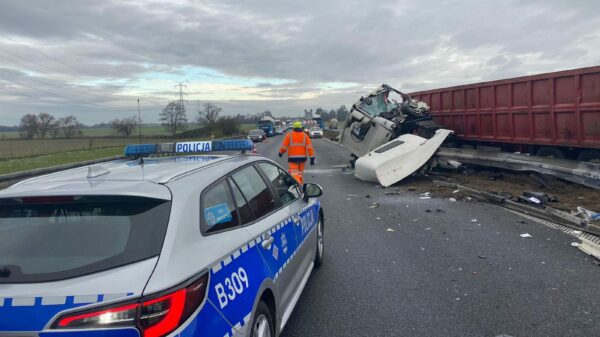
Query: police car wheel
[[320, 243], [262, 326]]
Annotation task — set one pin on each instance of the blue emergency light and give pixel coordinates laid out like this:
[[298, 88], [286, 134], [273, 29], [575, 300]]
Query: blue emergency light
[[201, 146]]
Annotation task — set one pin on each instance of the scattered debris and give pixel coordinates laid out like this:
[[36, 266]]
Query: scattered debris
[[452, 199], [545, 212], [351, 195], [521, 221], [390, 230], [482, 256], [473, 220], [455, 191], [378, 218], [427, 211], [392, 193], [525, 235], [424, 198], [533, 200], [412, 189], [587, 214], [575, 244], [428, 228], [374, 205], [367, 196]]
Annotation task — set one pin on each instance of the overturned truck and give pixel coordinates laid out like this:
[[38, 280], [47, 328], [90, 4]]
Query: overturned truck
[[390, 135]]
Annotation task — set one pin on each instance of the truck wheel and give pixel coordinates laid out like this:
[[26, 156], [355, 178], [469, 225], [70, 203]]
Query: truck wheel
[[590, 155], [550, 152]]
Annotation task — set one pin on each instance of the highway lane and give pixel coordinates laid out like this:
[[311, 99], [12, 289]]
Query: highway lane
[[399, 270]]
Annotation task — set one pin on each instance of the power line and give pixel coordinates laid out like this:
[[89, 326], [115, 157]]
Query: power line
[[48, 56], [58, 95], [52, 75]]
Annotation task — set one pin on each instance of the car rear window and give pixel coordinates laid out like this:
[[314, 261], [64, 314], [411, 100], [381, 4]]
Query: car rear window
[[255, 191], [51, 238]]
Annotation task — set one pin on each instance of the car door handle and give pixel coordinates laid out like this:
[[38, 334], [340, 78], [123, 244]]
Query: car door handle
[[268, 242]]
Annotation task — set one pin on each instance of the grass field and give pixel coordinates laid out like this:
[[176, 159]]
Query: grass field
[[18, 154], [20, 148], [147, 130], [67, 157]]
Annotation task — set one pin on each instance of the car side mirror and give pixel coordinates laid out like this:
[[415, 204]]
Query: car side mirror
[[312, 190]]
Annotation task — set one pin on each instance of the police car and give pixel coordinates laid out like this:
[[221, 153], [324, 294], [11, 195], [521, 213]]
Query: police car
[[154, 245]]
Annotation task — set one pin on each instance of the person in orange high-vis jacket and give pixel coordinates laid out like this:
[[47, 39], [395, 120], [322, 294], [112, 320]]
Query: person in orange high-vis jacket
[[299, 147]]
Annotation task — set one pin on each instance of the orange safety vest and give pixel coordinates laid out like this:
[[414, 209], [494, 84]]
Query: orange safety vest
[[298, 146]]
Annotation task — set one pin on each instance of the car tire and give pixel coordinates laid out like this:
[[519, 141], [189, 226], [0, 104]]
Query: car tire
[[320, 253], [262, 324]]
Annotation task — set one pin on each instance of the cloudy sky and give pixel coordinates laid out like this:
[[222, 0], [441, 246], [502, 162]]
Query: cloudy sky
[[94, 59]]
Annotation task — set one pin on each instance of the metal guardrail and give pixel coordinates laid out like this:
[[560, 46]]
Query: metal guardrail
[[587, 174]]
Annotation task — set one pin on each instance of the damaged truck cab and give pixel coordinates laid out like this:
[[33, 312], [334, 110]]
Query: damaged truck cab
[[379, 132]]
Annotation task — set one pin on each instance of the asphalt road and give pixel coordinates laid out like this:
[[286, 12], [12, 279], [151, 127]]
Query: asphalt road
[[459, 269]]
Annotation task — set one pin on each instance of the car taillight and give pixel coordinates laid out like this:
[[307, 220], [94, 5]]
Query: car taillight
[[153, 316]]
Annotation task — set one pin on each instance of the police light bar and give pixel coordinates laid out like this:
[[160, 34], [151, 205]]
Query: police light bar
[[190, 147]]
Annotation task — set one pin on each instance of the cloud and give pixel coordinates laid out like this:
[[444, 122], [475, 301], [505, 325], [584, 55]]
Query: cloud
[[277, 55]]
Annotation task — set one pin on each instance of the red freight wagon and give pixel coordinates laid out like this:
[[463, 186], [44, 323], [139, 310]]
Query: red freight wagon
[[554, 114]]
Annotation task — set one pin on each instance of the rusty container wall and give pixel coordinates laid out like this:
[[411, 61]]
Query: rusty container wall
[[560, 109]]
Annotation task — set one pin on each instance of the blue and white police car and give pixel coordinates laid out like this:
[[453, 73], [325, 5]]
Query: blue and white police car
[[179, 245]]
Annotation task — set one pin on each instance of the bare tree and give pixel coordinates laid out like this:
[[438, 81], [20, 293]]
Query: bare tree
[[30, 126], [47, 123], [125, 126], [209, 112], [173, 118], [267, 113], [70, 126]]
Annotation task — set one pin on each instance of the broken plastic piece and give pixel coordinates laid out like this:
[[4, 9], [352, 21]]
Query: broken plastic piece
[[388, 165], [525, 235], [587, 214]]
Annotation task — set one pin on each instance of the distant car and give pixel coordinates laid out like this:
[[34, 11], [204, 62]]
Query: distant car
[[256, 135], [315, 132], [176, 245]]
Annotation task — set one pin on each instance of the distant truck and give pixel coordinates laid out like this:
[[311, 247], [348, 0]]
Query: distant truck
[[319, 121], [554, 114], [333, 124], [279, 127], [267, 124]]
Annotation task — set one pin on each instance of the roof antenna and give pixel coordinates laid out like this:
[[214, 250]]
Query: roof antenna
[[140, 129]]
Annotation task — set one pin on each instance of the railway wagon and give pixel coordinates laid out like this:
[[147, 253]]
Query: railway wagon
[[553, 114]]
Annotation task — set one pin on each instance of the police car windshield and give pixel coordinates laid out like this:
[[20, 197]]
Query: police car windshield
[[53, 238]]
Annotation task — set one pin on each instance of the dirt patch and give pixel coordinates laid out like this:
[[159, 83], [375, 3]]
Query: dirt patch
[[568, 195]]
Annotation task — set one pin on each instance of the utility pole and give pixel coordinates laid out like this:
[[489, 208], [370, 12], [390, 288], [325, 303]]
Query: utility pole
[[180, 85]]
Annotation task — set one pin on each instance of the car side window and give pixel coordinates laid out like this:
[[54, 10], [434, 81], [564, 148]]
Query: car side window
[[285, 186], [255, 190], [246, 214], [218, 211]]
